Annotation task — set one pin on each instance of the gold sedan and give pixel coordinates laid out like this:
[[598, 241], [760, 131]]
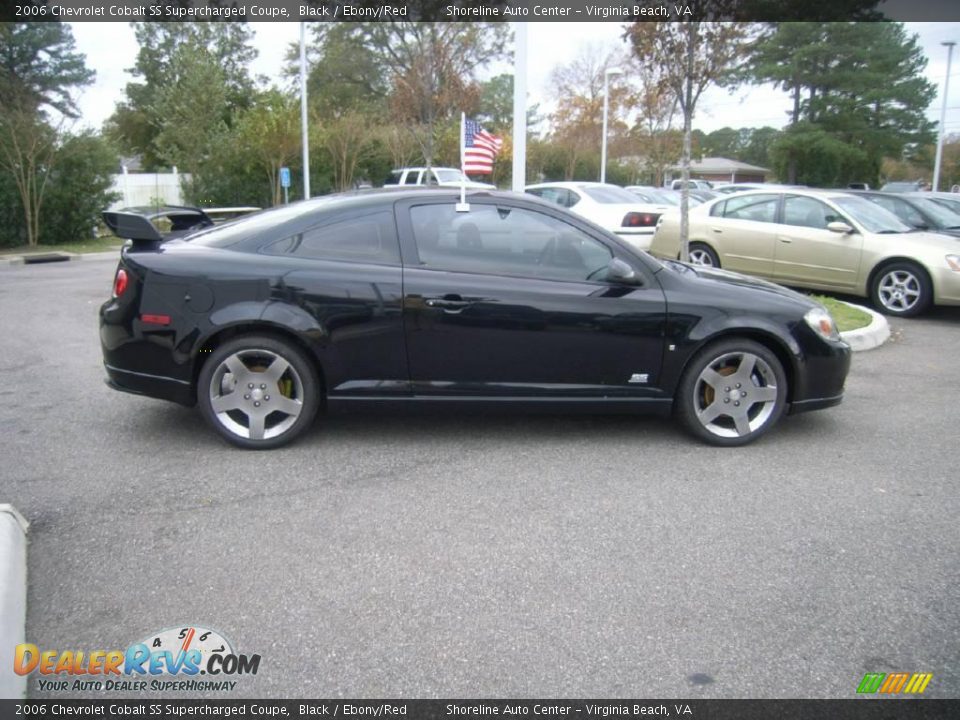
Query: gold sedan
[[820, 240]]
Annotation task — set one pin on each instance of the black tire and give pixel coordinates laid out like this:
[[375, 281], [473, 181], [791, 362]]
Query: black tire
[[901, 289], [286, 397], [705, 255], [732, 392]]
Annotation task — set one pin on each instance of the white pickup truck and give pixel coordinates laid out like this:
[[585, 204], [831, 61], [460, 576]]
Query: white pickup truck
[[434, 177]]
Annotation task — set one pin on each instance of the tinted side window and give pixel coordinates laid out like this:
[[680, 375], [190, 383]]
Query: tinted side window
[[370, 238], [807, 212], [901, 209], [759, 208], [505, 241], [718, 209], [412, 177]]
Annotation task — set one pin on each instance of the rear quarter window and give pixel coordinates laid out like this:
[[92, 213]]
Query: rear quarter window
[[368, 238]]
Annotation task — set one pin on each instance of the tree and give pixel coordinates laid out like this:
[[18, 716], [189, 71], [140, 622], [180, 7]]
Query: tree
[[79, 188], [268, 135], [348, 139], [693, 54], [40, 68], [653, 144], [39, 72], [578, 90], [343, 75], [861, 83], [432, 69], [724, 142], [135, 123]]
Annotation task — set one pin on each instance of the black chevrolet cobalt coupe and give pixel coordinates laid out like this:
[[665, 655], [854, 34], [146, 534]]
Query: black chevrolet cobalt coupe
[[401, 297]]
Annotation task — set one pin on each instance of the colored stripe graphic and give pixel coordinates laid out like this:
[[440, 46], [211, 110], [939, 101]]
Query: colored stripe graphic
[[894, 683], [907, 683], [870, 683], [918, 683]]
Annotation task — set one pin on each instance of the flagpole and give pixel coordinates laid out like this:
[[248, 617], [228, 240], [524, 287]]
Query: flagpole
[[519, 107], [462, 205]]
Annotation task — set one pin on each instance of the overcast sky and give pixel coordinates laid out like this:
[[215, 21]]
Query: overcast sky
[[111, 49]]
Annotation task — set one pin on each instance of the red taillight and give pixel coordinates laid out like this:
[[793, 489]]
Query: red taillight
[[120, 283], [636, 219], [151, 319]]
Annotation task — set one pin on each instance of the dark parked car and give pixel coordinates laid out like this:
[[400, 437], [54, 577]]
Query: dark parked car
[[395, 297], [917, 210]]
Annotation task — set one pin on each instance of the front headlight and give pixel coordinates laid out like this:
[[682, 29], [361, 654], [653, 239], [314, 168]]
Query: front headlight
[[822, 323], [954, 262]]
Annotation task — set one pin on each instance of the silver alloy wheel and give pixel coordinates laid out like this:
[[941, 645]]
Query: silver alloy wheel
[[256, 394], [735, 395], [899, 290], [699, 256]]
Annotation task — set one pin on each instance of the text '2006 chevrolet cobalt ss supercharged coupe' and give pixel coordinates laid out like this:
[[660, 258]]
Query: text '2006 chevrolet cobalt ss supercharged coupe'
[[398, 297]]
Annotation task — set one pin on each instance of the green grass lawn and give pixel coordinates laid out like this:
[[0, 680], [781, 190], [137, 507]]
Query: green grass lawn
[[101, 244], [846, 317]]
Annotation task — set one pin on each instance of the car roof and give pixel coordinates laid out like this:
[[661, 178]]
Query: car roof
[[807, 192], [572, 184]]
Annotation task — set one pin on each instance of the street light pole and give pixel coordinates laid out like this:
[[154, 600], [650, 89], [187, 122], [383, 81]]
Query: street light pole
[[943, 118], [305, 138], [606, 102]]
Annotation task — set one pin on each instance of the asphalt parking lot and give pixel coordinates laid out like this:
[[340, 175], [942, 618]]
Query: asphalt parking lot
[[490, 556]]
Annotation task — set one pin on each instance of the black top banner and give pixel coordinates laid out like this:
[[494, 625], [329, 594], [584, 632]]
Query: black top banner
[[623, 709], [474, 10]]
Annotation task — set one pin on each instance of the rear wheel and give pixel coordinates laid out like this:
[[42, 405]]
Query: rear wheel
[[732, 392], [901, 289], [258, 392], [703, 254]]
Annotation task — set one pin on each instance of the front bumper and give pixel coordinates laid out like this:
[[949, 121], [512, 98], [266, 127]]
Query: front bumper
[[946, 287]]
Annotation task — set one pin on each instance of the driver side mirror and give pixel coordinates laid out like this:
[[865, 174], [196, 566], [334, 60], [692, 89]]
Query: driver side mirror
[[839, 227], [620, 272]]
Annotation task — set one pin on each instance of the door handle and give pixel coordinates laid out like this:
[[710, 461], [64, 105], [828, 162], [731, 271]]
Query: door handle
[[451, 303], [784, 239], [717, 230]]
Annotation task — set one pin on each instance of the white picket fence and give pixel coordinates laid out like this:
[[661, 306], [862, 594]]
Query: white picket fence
[[145, 189]]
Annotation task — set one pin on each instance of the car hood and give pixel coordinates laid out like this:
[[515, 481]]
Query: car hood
[[945, 240], [731, 279]]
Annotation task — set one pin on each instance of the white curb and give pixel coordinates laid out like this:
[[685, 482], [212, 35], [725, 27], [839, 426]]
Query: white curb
[[13, 599], [873, 335]]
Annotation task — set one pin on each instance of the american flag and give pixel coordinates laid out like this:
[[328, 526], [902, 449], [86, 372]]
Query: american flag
[[479, 148]]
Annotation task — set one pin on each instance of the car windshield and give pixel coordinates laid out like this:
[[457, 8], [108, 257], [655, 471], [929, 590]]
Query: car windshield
[[942, 217], [448, 175], [610, 194], [873, 217], [665, 198]]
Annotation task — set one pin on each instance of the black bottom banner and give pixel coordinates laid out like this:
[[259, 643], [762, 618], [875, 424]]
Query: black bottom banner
[[857, 709]]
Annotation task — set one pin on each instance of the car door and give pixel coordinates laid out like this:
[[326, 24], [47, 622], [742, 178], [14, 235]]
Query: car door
[[742, 231], [807, 253], [509, 300], [346, 273]]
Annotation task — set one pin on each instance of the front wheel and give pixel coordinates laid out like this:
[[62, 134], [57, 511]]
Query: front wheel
[[703, 254], [901, 290], [258, 392], [732, 392]]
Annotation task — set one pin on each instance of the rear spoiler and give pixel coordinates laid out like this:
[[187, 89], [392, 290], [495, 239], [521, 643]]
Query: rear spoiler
[[131, 226]]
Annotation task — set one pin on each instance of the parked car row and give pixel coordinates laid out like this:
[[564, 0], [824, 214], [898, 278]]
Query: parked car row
[[827, 240]]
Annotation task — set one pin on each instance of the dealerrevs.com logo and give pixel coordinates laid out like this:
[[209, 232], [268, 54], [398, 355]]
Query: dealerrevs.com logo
[[169, 660]]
